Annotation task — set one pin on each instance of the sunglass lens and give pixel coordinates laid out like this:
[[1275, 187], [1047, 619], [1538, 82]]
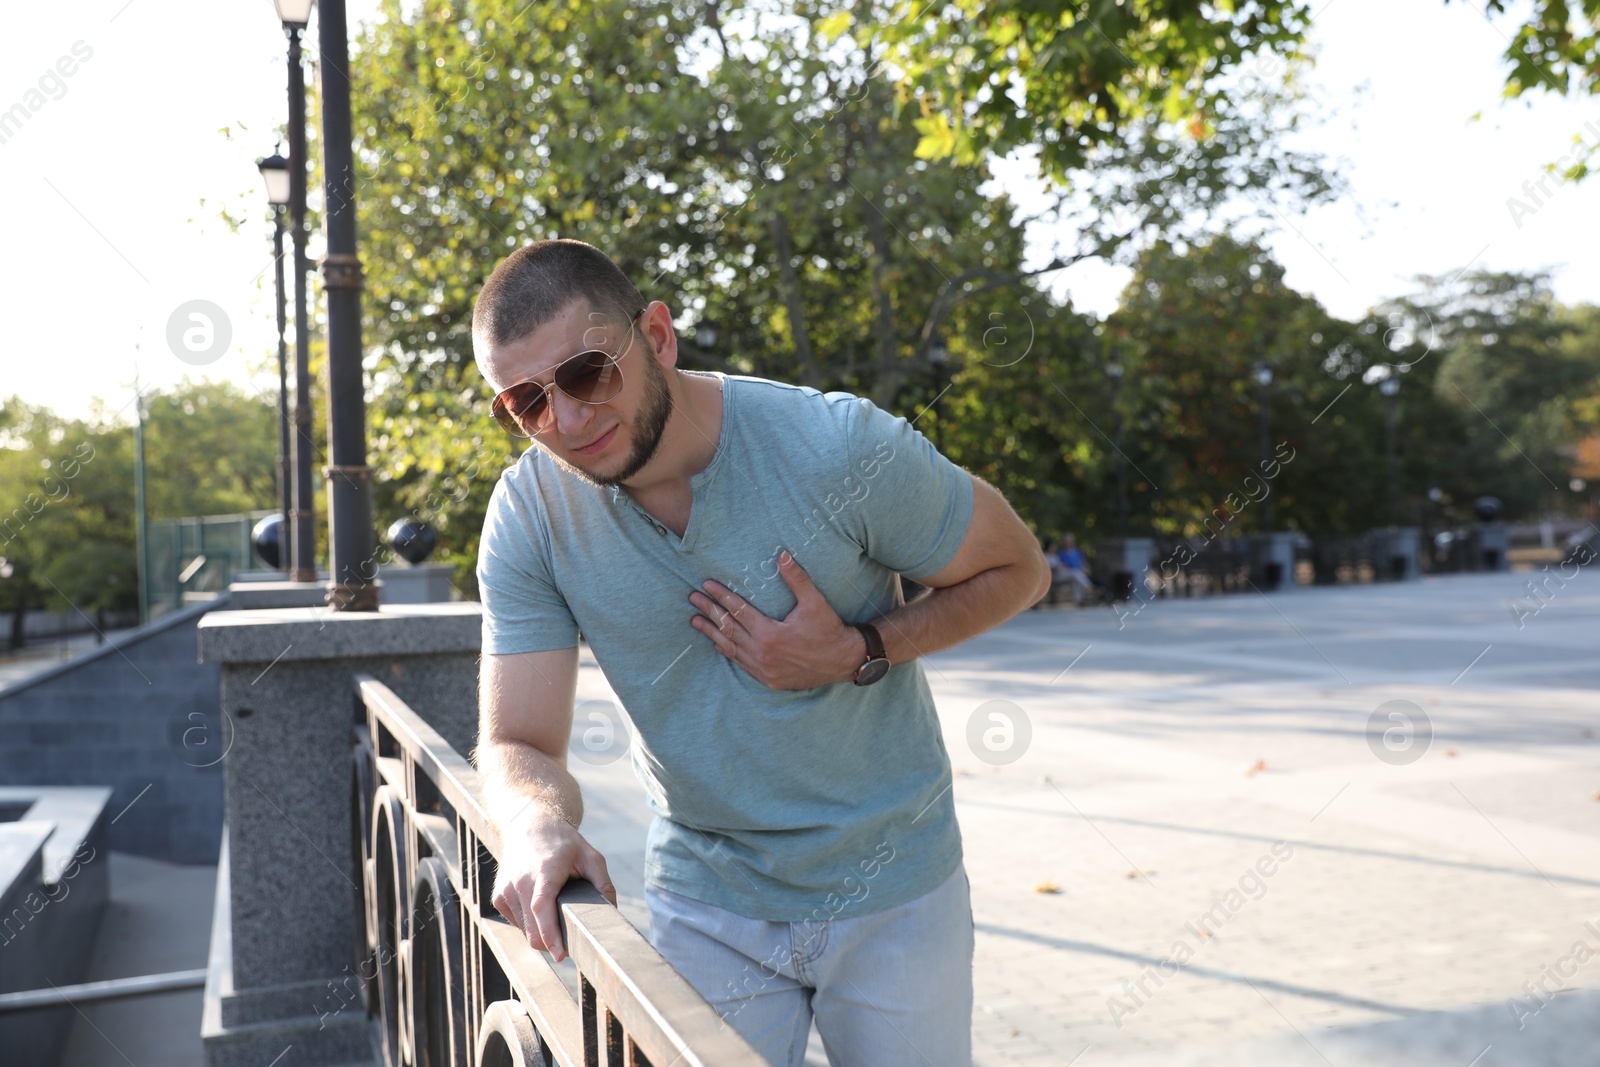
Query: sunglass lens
[[521, 409], [591, 377]]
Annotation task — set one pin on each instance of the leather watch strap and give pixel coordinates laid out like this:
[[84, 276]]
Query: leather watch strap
[[874, 640]]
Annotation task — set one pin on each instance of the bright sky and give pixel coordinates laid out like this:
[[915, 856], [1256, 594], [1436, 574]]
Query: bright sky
[[112, 186]]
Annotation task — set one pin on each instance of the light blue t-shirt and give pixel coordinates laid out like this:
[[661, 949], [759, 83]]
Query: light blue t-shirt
[[774, 804]]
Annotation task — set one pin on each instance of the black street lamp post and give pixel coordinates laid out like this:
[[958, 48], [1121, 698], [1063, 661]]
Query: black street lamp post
[[1390, 388], [938, 355], [275, 172], [303, 538], [1114, 371], [353, 549], [1263, 376]]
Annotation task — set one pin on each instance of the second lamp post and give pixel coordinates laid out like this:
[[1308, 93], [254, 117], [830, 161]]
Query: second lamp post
[[1263, 376], [302, 529], [1390, 388], [275, 172]]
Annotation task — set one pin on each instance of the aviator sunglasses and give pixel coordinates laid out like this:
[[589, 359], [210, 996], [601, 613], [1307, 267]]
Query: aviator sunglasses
[[590, 377]]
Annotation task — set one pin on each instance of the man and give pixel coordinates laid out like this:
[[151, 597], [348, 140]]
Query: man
[[730, 548]]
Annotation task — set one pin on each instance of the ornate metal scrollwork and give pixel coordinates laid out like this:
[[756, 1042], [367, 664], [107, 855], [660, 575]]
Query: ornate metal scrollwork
[[437, 1006], [390, 905], [361, 787], [508, 1038]]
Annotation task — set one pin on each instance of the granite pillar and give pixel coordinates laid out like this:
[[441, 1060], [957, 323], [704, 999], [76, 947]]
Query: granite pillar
[[1396, 554], [285, 935], [1122, 563], [1494, 547], [420, 583], [1275, 552], [257, 595]]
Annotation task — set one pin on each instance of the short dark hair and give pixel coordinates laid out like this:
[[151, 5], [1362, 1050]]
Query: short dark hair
[[536, 282]]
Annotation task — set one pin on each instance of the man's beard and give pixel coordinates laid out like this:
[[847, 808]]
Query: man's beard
[[649, 426]]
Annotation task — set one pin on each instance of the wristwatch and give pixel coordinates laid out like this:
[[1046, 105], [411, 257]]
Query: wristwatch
[[877, 664]]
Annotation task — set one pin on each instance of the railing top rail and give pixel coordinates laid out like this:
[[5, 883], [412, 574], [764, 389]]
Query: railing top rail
[[457, 780], [655, 1004]]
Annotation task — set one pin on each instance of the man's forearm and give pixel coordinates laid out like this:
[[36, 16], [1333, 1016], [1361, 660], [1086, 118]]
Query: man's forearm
[[518, 778], [948, 616]]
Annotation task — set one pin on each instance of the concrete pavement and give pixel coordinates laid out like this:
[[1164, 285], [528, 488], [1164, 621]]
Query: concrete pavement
[[1346, 826]]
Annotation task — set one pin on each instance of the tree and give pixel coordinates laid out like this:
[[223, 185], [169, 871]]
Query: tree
[[776, 194], [66, 515], [1554, 50], [1192, 325], [67, 511], [1077, 78], [1518, 369], [813, 257], [1032, 411], [210, 449], [1475, 357]]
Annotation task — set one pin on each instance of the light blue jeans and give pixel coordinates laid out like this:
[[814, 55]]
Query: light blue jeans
[[887, 988]]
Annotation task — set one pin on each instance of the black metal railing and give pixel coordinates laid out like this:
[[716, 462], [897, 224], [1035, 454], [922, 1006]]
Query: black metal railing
[[447, 980], [1188, 567]]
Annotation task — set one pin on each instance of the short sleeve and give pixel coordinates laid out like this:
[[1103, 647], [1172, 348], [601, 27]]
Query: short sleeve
[[913, 505], [523, 611]]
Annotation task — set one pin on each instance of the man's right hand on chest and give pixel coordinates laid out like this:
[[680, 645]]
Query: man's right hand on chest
[[540, 851]]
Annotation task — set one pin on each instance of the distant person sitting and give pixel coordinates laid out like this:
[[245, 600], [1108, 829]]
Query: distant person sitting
[[1067, 567]]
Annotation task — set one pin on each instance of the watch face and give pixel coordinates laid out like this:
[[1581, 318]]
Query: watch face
[[871, 671]]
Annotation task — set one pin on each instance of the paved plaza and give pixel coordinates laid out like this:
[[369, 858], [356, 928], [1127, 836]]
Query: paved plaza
[[1190, 843]]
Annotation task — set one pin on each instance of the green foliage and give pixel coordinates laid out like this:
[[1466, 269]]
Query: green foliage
[[1190, 328], [806, 232], [1484, 354], [1079, 79], [1493, 376], [1076, 78], [210, 449], [66, 512], [67, 508], [1022, 412], [1554, 48], [1520, 371], [776, 192], [481, 127]]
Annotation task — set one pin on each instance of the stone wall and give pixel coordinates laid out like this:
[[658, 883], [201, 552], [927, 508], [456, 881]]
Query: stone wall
[[142, 716], [40, 625], [53, 890]]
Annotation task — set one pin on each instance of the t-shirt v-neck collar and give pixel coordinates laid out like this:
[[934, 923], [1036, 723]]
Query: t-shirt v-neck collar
[[697, 482]]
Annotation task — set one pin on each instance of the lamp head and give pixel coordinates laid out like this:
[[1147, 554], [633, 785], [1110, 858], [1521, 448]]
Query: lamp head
[[294, 13], [275, 172]]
